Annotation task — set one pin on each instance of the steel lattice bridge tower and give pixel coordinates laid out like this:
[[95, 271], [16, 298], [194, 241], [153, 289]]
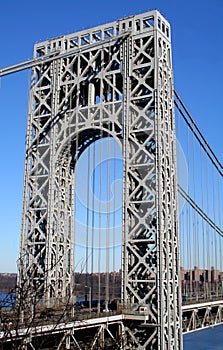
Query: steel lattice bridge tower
[[114, 81]]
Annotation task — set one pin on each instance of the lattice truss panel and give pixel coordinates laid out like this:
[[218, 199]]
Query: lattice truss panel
[[113, 80]]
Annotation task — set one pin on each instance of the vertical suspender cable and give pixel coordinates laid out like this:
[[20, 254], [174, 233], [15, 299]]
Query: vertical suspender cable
[[183, 252], [108, 227], [114, 219], [93, 220], [100, 223], [208, 228], [194, 226], [202, 220], [188, 247], [182, 247], [76, 157], [188, 214], [88, 220], [214, 231], [220, 238]]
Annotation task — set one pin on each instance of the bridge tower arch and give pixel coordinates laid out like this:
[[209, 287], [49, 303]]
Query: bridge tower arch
[[112, 80]]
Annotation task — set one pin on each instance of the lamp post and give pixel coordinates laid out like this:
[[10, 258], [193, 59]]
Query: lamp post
[[89, 296]]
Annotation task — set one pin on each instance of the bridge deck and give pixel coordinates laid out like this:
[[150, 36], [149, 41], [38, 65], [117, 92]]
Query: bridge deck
[[194, 317]]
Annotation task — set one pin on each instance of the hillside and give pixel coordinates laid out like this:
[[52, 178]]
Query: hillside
[[7, 281]]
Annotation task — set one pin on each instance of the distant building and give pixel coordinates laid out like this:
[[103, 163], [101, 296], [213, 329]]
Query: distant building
[[201, 275]]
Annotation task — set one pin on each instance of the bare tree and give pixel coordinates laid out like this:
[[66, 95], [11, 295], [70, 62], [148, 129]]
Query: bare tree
[[24, 311]]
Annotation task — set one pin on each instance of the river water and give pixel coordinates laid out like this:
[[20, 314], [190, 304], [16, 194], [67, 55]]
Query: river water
[[205, 339]]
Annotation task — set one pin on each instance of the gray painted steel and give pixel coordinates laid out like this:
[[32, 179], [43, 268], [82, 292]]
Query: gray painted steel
[[113, 80]]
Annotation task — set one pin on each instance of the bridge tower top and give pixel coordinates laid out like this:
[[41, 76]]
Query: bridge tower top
[[136, 24]]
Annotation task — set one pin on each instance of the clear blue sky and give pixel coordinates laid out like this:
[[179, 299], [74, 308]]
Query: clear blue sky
[[197, 36]]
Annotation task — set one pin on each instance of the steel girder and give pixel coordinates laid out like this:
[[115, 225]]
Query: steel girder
[[201, 315], [117, 82]]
